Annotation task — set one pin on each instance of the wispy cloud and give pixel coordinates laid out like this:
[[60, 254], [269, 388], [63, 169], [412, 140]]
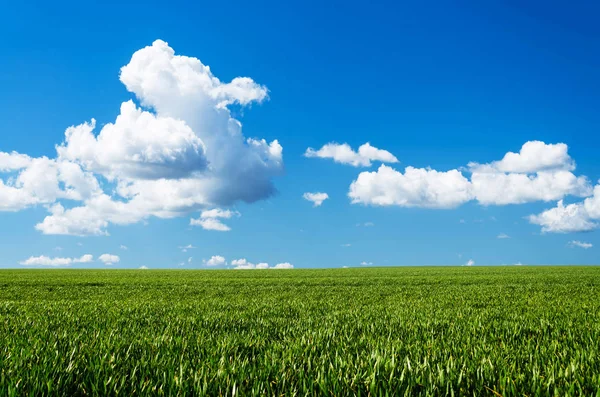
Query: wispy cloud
[[580, 244], [43, 260]]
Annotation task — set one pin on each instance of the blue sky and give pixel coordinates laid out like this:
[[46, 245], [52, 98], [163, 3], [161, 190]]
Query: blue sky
[[435, 87]]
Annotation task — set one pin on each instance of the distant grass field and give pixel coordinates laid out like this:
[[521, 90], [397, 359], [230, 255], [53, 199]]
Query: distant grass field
[[381, 331]]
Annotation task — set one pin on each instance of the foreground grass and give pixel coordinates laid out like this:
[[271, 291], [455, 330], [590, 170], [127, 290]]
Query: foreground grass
[[396, 331]]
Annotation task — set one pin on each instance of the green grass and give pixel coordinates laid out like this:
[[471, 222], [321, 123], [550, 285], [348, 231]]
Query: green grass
[[386, 331]]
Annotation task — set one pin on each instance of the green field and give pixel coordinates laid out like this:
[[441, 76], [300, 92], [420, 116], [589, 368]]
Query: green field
[[381, 331]]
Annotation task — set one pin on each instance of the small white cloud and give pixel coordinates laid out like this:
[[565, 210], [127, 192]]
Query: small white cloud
[[316, 198], [470, 262], [343, 153], [262, 265], [580, 244], [109, 259], [364, 263], [124, 247], [244, 264], [344, 267], [84, 259], [285, 265], [238, 262], [346, 245], [47, 261], [248, 266], [189, 260], [215, 260], [210, 219], [210, 224], [143, 267], [462, 221], [58, 248], [503, 236]]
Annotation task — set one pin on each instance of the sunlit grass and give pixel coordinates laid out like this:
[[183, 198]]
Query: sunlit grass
[[387, 331]]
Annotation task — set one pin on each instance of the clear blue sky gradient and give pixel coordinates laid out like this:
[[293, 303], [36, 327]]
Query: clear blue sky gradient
[[437, 84]]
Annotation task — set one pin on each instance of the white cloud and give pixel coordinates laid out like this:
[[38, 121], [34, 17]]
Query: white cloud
[[239, 262], [248, 266], [138, 144], [209, 220], [44, 181], [364, 263], [181, 152], [501, 189], [503, 236], [285, 265], [47, 261], [215, 260], [243, 264], [210, 224], [580, 244], [189, 260], [470, 262], [417, 187], [13, 161], [143, 268], [109, 259], [343, 153], [84, 259], [534, 156], [564, 219], [539, 172], [346, 245], [316, 198], [219, 213], [124, 247]]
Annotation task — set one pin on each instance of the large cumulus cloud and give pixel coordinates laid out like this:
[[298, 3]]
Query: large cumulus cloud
[[178, 150]]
